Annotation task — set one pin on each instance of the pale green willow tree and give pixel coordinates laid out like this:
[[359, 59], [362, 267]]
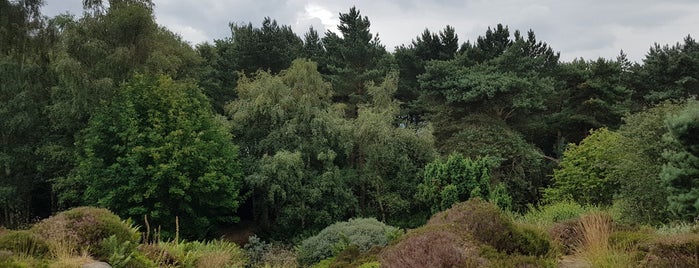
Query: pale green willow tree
[[294, 146], [388, 158]]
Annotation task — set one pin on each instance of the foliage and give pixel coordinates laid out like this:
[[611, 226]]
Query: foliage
[[489, 225], [640, 150], [584, 174], [26, 40], [362, 233], [255, 248], [84, 229], [354, 59], [669, 72], [596, 229], [549, 214], [24, 243], [411, 61], [351, 256], [470, 234], [434, 248], [118, 254], [388, 159], [216, 253], [158, 150], [594, 96], [521, 166], [271, 47], [681, 173], [671, 251], [294, 143], [455, 180]]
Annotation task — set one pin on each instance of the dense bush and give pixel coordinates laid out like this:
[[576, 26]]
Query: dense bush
[[363, 233], [550, 214], [487, 224], [23, 243], [215, 253], [432, 246], [454, 180], [672, 251], [84, 228], [470, 234], [567, 234], [628, 240], [641, 198], [584, 173]]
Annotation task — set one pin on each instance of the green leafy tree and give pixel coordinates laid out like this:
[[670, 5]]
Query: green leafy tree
[[456, 179], [294, 145], [26, 42], [158, 151], [584, 174], [388, 158], [270, 47], [681, 173], [95, 55], [640, 149]]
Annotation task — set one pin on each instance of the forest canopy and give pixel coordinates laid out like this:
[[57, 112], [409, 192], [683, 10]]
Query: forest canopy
[[293, 133]]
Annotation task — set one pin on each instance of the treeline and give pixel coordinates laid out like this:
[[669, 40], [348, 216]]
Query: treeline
[[296, 133]]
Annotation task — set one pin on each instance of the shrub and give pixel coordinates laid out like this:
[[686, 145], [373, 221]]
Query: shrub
[[23, 243], [487, 224], [255, 249], [628, 240], [584, 173], [214, 253], [352, 257], [567, 234], [432, 246], [596, 230], [672, 251], [279, 257], [84, 228], [363, 233], [547, 215]]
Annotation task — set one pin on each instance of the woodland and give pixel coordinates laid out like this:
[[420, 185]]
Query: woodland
[[308, 139]]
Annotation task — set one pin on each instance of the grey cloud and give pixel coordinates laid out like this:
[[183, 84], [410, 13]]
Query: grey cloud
[[589, 29]]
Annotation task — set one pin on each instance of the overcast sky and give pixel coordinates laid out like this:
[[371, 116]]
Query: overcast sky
[[576, 28]]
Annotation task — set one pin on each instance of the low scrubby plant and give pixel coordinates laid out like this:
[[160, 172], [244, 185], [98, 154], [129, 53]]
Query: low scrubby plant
[[23, 243], [489, 225], [567, 234], [363, 233], [214, 253], [474, 233], [547, 215], [628, 240], [255, 248], [596, 229], [432, 246], [671, 251], [279, 257], [84, 229]]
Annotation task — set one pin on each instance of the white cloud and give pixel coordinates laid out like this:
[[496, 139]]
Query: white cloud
[[313, 12], [189, 33]]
